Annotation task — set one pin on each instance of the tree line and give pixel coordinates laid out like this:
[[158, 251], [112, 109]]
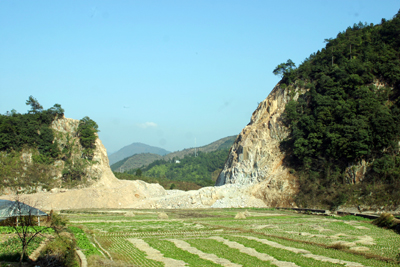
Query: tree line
[[32, 132], [349, 113], [198, 169]]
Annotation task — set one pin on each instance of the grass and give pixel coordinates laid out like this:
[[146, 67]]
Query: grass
[[122, 249], [351, 218], [10, 250], [321, 249], [317, 234], [83, 242], [223, 251], [171, 251], [280, 254]]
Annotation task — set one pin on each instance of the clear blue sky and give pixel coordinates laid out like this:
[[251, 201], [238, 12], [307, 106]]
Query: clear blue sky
[[162, 72]]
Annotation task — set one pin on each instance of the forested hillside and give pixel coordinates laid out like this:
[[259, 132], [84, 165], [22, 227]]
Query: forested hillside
[[202, 169], [223, 143], [347, 119], [142, 160], [31, 151], [134, 162]]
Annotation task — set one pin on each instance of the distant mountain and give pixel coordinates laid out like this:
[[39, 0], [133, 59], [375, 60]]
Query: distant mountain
[[144, 159], [134, 162], [223, 143], [135, 148]]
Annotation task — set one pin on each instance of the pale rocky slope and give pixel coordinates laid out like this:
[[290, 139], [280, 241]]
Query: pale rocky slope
[[255, 158], [105, 191]]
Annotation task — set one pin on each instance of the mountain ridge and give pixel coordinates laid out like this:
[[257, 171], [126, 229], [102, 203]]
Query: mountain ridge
[[135, 148], [139, 160]]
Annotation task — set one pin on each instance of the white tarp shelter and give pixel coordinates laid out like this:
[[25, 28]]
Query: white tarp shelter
[[15, 209]]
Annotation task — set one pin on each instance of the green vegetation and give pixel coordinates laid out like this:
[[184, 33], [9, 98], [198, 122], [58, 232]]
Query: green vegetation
[[171, 251], [31, 133], [87, 130], [18, 131], [134, 162], [164, 182], [387, 220], [60, 251], [83, 243], [190, 173], [197, 169], [349, 113], [351, 218], [275, 233], [11, 250], [142, 160], [11, 166]]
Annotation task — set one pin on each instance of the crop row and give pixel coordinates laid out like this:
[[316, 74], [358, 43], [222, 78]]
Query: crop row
[[122, 249], [30, 229], [83, 242], [166, 233], [10, 250], [129, 253]]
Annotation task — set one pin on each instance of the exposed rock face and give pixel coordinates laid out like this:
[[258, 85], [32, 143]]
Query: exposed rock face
[[255, 157], [99, 173], [103, 189]]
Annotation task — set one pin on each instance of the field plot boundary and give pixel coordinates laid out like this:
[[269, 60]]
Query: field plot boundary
[[215, 238], [154, 254], [253, 252], [303, 252], [207, 256], [168, 233]]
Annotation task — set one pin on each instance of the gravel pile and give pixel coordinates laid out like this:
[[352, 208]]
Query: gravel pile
[[226, 196]]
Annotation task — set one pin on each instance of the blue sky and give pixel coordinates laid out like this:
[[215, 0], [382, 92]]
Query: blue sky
[[163, 73]]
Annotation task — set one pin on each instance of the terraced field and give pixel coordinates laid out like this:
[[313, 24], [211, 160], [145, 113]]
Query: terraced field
[[216, 238]]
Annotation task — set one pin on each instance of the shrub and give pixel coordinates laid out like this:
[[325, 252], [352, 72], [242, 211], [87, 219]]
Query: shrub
[[387, 220], [59, 252]]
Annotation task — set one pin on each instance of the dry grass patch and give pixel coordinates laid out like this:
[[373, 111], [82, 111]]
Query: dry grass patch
[[240, 215], [162, 216]]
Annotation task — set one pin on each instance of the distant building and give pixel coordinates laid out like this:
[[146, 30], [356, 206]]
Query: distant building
[[177, 161]]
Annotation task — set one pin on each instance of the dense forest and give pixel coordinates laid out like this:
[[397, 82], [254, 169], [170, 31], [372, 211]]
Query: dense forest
[[201, 169], [345, 111], [31, 132]]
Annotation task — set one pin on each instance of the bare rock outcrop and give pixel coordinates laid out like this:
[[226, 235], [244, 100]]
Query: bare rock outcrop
[[255, 157], [102, 189]]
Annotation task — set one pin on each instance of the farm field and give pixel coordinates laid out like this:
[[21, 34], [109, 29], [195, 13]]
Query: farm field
[[213, 237]]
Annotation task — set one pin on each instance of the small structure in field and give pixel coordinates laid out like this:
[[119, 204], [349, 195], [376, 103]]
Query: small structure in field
[[162, 216], [12, 211], [240, 215]]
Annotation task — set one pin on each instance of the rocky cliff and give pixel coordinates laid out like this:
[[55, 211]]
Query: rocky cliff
[[97, 188], [255, 157], [102, 190]]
